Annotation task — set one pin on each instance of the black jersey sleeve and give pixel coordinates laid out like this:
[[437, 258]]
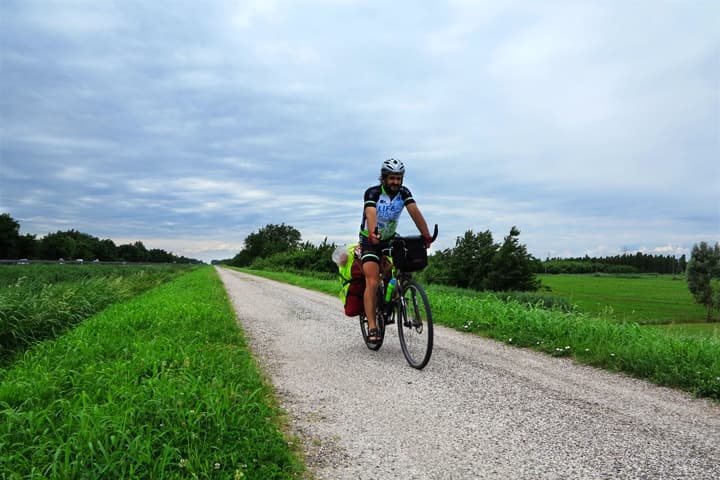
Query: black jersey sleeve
[[372, 195], [406, 196]]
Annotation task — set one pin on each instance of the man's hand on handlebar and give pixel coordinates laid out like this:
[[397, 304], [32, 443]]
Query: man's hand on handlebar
[[429, 239]]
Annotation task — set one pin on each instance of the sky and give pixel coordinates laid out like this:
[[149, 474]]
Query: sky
[[593, 126]]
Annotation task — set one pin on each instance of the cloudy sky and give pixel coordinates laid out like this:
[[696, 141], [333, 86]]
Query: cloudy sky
[[591, 125]]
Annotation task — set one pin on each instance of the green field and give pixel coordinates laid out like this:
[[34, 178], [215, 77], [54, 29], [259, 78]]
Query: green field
[[645, 299]]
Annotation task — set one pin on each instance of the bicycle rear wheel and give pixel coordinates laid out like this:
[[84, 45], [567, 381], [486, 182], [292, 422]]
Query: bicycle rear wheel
[[379, 321], [415, 327]]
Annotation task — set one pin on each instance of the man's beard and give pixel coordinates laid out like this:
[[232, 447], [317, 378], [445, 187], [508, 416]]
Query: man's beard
[[393, 188]]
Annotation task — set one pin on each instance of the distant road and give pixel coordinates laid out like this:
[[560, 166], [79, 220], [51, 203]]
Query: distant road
[[480, 409]]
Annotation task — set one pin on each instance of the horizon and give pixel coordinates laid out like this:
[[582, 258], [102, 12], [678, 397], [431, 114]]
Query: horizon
[[430, 251]]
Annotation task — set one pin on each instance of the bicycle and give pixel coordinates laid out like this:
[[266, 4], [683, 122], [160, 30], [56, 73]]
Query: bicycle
[[408, 304]]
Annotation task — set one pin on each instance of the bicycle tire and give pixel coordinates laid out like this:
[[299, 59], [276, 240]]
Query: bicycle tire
[[415, 326], [379, 321]]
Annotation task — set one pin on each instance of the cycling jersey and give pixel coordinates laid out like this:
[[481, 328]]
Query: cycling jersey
[[388, 209]]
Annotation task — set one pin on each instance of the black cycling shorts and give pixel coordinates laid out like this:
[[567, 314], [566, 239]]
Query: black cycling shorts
[[370, 252]]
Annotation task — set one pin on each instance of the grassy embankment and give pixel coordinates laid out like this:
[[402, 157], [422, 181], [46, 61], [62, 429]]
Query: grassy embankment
[[691, 363], [158, 386], [39, 302]]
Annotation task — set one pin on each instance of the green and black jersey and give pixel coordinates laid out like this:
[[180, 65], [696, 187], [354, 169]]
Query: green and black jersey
[[388, 209]]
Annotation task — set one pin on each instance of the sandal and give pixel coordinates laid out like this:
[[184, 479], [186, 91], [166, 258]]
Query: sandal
[[373, 336]]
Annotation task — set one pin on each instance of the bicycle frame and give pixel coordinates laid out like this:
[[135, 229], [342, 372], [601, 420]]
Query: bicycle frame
[[409, 304]]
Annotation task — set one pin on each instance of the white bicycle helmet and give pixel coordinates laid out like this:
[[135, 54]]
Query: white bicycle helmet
[[392, 166]]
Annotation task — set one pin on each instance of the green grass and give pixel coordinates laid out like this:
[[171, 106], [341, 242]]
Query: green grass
[[44, 274], [700, 330], [645, 299], [164, 385], [39, 302], [685, 362], [306, 281], [161, 386]]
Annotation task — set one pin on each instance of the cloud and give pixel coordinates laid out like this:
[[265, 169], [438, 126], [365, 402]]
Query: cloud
[[588, 125], [76, 19]]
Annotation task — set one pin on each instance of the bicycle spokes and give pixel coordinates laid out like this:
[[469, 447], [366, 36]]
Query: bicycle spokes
[[415, 330]]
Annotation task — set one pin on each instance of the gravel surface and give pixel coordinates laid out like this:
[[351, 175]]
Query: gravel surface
[[480, 409]]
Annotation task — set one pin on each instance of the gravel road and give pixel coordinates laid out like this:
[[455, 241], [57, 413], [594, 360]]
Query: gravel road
[[479, 410]]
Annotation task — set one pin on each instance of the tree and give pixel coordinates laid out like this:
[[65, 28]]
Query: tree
[[682, 264], [469, 262], [437, 270], [106, 250], [267, 241], [157, 255], [135, 252], [27, 246], [9, 236], [703, 272], [478, 263], [512, 266], [85, 245], [57, 245]]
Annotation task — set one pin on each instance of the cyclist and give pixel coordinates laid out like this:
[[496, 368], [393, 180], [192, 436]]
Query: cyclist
[[383, 205]]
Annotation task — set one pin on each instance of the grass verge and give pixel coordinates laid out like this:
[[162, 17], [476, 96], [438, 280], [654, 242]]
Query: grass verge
[[161, 386], [687, 363], [38, 302]]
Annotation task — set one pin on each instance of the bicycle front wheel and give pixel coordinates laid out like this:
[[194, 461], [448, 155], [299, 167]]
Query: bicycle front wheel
[[415, 327]]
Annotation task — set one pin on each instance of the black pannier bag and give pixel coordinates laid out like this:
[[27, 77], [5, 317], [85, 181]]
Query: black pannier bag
[[409, 253]]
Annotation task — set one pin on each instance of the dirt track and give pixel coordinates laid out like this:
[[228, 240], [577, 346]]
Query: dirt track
[[480, 409]]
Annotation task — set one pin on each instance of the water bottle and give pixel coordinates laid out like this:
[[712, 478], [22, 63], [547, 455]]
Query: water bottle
[[389, 291]]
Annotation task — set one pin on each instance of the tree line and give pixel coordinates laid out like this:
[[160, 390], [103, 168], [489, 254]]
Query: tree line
[[476, 262], [280, 247], [72, 245], [625, 263]]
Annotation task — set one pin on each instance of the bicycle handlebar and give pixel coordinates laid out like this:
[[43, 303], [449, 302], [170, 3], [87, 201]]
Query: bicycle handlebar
[[434, 235]]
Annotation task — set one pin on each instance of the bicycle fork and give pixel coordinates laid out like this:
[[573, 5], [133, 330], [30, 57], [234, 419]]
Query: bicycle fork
[[411, 319]]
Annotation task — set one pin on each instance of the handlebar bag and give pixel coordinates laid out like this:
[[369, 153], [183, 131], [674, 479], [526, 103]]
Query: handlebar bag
[[409, 254]]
